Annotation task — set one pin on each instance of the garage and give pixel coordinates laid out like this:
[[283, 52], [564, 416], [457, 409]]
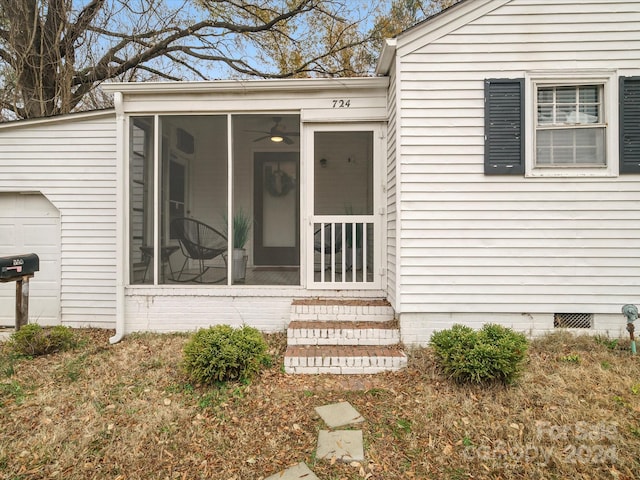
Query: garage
[[29, 223]]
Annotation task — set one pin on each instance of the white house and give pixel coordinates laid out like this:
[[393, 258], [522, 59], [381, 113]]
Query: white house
[[489, 173]]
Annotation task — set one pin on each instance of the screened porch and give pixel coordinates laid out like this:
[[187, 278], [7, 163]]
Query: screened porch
[[297, 218]]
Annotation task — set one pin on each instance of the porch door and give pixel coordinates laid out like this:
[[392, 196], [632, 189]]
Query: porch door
[[344, 241], [277, 209]]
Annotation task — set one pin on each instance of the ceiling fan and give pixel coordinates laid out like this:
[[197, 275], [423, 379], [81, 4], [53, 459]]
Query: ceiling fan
[[277, 133]]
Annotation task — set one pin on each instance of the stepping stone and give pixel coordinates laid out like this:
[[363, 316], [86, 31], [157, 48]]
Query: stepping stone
[[339, 415], [297, 472], [344, 445]]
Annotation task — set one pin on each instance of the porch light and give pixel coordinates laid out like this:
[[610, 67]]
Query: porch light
[[276, 138]]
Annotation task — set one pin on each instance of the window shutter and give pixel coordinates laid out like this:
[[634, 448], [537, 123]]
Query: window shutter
[[629, 124], [503, 126]]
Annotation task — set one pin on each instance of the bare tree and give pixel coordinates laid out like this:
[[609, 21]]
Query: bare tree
[[336, 43], [352, 49], [403, 14], [55, 53]]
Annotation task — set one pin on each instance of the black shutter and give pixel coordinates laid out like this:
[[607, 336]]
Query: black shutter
[[629, 124], [503, 126]]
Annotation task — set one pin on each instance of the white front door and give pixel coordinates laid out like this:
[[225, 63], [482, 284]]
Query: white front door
[[344, 216]]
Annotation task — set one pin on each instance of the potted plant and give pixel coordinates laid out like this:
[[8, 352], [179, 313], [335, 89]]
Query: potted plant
[[241, 228]]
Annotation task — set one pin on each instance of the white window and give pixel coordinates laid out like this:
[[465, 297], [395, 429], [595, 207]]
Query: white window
[[570, 128], [570, 132]]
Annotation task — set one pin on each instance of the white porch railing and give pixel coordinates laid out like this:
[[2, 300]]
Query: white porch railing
[[344, 251]]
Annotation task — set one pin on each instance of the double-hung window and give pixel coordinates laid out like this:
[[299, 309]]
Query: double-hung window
[[562, 124], [569, 126], [559, 124], [569, 131]]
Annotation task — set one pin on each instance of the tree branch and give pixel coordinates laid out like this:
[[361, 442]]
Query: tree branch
[[82, 23], [56, 56]]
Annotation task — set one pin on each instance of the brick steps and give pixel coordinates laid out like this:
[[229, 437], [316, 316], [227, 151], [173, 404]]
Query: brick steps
[[344, 359], [343, 333], [342, 336], [341, 310]]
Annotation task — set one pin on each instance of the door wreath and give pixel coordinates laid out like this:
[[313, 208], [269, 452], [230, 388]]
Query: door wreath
[[278, 183]]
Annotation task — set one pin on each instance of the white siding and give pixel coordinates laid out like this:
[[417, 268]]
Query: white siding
[[368, 104], [476, 244], [392, 193], [72, 162]]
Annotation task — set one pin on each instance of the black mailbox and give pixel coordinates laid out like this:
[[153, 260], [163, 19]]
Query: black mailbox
[[18, 266]]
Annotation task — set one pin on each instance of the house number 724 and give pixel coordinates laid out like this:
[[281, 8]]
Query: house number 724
[[342, 103]]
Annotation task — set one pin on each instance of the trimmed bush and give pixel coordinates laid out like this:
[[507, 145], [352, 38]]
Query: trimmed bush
[[33, 340], [494, 353], [222, 353]]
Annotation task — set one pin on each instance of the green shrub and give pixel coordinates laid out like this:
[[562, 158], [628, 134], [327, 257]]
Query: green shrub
[[33, 340], [221, 353], [494, 353]]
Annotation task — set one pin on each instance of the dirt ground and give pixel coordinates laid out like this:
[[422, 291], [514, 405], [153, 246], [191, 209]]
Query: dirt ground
[[128, 411]]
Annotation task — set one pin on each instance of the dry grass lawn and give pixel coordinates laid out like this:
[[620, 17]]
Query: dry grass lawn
[[127, 411]]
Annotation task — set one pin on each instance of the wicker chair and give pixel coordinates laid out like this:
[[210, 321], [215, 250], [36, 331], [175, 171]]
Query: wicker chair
[[200, 242]]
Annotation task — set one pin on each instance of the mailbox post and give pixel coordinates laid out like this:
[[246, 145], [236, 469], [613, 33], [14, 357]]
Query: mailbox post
[[19, 269]]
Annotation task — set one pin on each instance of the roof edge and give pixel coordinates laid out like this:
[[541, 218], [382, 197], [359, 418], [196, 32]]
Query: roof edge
[[387, 55], [67, 117], [445, 22], [235, 86]]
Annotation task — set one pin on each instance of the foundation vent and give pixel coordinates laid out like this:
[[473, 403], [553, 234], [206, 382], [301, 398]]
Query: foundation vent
[[573, 320]]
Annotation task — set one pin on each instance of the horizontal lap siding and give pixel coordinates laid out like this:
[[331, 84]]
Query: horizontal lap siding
[[392, 214], [472, 243], [73, 163]]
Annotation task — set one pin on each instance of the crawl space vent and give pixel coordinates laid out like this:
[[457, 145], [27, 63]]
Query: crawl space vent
[[573, 320]]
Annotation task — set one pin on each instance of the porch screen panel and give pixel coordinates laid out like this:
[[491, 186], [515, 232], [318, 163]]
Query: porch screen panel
[[266, 199], [193, 185], [343, 173], [141, 134], [343, 233]]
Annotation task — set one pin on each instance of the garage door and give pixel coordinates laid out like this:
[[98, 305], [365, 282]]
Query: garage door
[[29, 223]]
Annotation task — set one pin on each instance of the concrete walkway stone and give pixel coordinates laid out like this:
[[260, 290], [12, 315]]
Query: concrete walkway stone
[[297, 472], [344, 445], [339, 415]]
